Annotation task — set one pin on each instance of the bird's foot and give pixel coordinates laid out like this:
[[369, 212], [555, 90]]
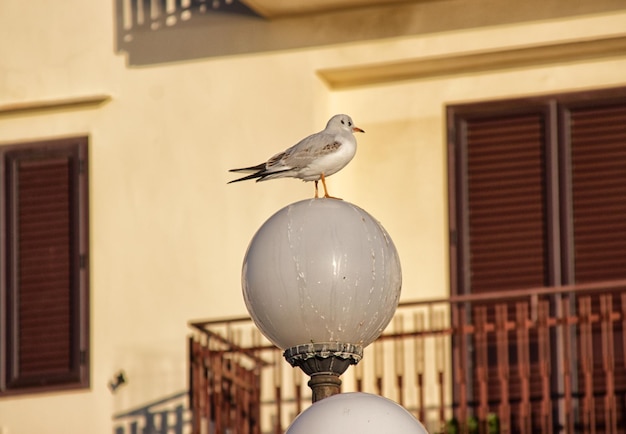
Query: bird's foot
[[328, 196]]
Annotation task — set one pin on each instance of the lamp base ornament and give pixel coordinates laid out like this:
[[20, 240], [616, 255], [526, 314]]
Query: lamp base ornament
[[324, 363]]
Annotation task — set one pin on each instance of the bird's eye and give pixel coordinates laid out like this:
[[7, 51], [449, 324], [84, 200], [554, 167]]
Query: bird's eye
[[342, 121], [349, 124]]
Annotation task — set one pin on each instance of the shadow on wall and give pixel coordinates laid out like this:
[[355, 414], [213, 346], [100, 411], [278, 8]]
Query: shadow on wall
[[162, 31], [170, 414]]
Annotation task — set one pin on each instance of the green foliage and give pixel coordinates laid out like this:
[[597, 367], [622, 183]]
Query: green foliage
[[472, 426], [452, 426], [493, 424]]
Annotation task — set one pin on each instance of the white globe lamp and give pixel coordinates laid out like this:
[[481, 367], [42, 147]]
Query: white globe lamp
[[321, 279], [357, 412]]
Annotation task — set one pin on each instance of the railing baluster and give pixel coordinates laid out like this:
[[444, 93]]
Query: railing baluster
[[608, 358], [379, 366], [418, 343], [459, 348], [543, 335], [440, 365], [586, 362], [523, 365], [482, 363], [256, 391], [502, 344], [207, 393], [218, 393], [278, 380], [297, 389], [194, 385], [358, 376], [254, 379], [229, 388], [245, 406], [239, 398], [249, 400], [398, 355], [566, 368]]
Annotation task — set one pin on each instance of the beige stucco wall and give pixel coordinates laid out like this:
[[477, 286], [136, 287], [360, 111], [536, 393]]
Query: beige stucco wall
[[167, 233]]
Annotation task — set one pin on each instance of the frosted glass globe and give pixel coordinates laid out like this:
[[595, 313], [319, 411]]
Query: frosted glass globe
[[321, 270], [356, 412]]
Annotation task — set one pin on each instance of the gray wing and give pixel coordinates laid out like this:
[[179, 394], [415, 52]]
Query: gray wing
[[304, 152]]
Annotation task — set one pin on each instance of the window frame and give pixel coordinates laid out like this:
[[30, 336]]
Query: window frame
[[560, 231], [77, 375], [559, 214]]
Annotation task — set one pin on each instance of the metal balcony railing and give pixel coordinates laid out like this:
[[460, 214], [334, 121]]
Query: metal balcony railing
[[152, 15], [542, 360]]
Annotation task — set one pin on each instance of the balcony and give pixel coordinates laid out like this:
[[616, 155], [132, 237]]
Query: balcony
[[162, 31], [541, 360], [281, 8]]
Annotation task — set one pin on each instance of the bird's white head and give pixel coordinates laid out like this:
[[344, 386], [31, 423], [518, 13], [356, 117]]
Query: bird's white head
[[343, 122]]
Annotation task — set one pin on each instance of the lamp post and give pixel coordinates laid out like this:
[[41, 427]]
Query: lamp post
[[321, 279]]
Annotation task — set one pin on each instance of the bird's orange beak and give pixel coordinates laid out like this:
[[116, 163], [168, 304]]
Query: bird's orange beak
[[357, 130]]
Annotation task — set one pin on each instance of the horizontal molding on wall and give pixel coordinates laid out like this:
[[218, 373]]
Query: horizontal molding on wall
[[32, 107], [469, 62]]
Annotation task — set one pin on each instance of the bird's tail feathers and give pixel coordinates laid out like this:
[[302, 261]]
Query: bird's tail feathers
[[256, 168], [245, 178], [261, 175]]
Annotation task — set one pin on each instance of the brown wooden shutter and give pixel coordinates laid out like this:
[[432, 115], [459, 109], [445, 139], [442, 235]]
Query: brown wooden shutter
[[597, 142], [47, 305], [506, 202], [534, 206], [598, 161], [502, 194]]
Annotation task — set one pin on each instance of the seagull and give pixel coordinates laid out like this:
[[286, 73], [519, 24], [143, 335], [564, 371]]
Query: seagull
[[313, 158]]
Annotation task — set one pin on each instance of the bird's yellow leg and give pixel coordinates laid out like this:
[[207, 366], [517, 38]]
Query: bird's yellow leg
[[326, 195]]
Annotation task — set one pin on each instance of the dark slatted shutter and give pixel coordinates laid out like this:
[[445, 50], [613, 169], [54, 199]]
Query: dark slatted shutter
[[598, 155], [597, 142], [505, 226], [45, 217], [506, 202], [536, 202]]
